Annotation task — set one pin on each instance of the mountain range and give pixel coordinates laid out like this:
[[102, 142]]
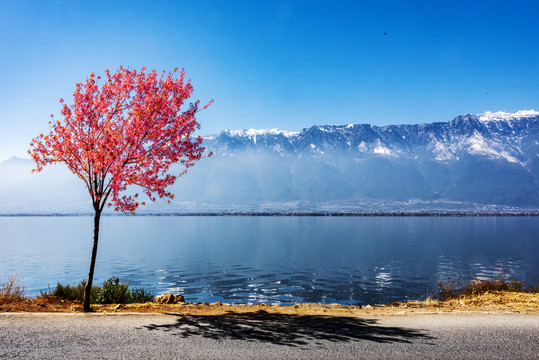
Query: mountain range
[[473, 163]]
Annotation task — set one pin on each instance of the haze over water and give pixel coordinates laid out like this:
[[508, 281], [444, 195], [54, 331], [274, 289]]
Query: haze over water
[[350, 260]]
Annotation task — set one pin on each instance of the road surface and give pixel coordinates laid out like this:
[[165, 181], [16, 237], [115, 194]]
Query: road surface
[[269, 336]]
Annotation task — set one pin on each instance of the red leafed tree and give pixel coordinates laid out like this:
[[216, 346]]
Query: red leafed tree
[[128, 131]]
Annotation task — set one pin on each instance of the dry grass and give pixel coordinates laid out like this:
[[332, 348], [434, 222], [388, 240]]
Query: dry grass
[[11, 290], [450, 290], [489, 302]]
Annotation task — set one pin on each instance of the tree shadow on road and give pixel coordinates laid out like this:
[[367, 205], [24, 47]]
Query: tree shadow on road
[[283, 329]]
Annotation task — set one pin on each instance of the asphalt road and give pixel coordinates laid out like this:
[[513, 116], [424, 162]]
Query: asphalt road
[[265, 336]]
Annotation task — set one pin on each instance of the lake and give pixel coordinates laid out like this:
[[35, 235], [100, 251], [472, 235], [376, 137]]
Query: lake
[[272, 259]]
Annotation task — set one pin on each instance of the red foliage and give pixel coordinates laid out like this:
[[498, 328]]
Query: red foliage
[[127, 132]]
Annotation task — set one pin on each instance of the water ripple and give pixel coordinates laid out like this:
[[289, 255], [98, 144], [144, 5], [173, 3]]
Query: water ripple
[[309, 259]]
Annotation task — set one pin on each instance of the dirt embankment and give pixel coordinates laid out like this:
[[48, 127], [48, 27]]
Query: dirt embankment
[[487, 302]]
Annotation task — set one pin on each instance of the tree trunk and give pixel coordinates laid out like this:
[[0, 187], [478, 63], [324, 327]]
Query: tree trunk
[[88, 288]]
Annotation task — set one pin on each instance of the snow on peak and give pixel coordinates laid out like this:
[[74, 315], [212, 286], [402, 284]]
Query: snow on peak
[[259, 132], [502, 115], [381, 150]]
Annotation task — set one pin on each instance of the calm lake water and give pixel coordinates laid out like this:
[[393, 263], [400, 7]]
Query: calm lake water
[[349, 260]]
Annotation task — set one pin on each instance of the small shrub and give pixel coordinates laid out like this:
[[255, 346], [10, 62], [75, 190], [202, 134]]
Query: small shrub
[[139, 295], [11, 290], [64, 292], [71, 292], [448, 290], [534, 290], [482, 286], [516, 286], [113, 292]]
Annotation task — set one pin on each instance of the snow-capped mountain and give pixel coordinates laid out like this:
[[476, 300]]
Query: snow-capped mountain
[[490, 158], [496, 135], [486, 162]]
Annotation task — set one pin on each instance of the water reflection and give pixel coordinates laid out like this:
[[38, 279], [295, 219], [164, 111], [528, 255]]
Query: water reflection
[[273, 259]]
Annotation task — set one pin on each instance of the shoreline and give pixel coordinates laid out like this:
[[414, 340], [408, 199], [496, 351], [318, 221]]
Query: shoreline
[[489, 302]]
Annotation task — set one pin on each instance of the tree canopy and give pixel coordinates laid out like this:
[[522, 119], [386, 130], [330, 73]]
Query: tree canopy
[[128, 131]]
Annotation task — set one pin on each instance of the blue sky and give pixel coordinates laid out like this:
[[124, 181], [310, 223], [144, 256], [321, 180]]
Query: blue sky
[[276, 64]]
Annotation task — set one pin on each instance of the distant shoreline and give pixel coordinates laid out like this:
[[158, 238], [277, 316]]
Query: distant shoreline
[[290, 214]]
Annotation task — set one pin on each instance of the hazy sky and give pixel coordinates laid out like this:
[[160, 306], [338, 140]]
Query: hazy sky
[[276, 64]]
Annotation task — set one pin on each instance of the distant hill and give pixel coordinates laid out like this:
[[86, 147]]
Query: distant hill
[[473, 163], [54, 190]]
